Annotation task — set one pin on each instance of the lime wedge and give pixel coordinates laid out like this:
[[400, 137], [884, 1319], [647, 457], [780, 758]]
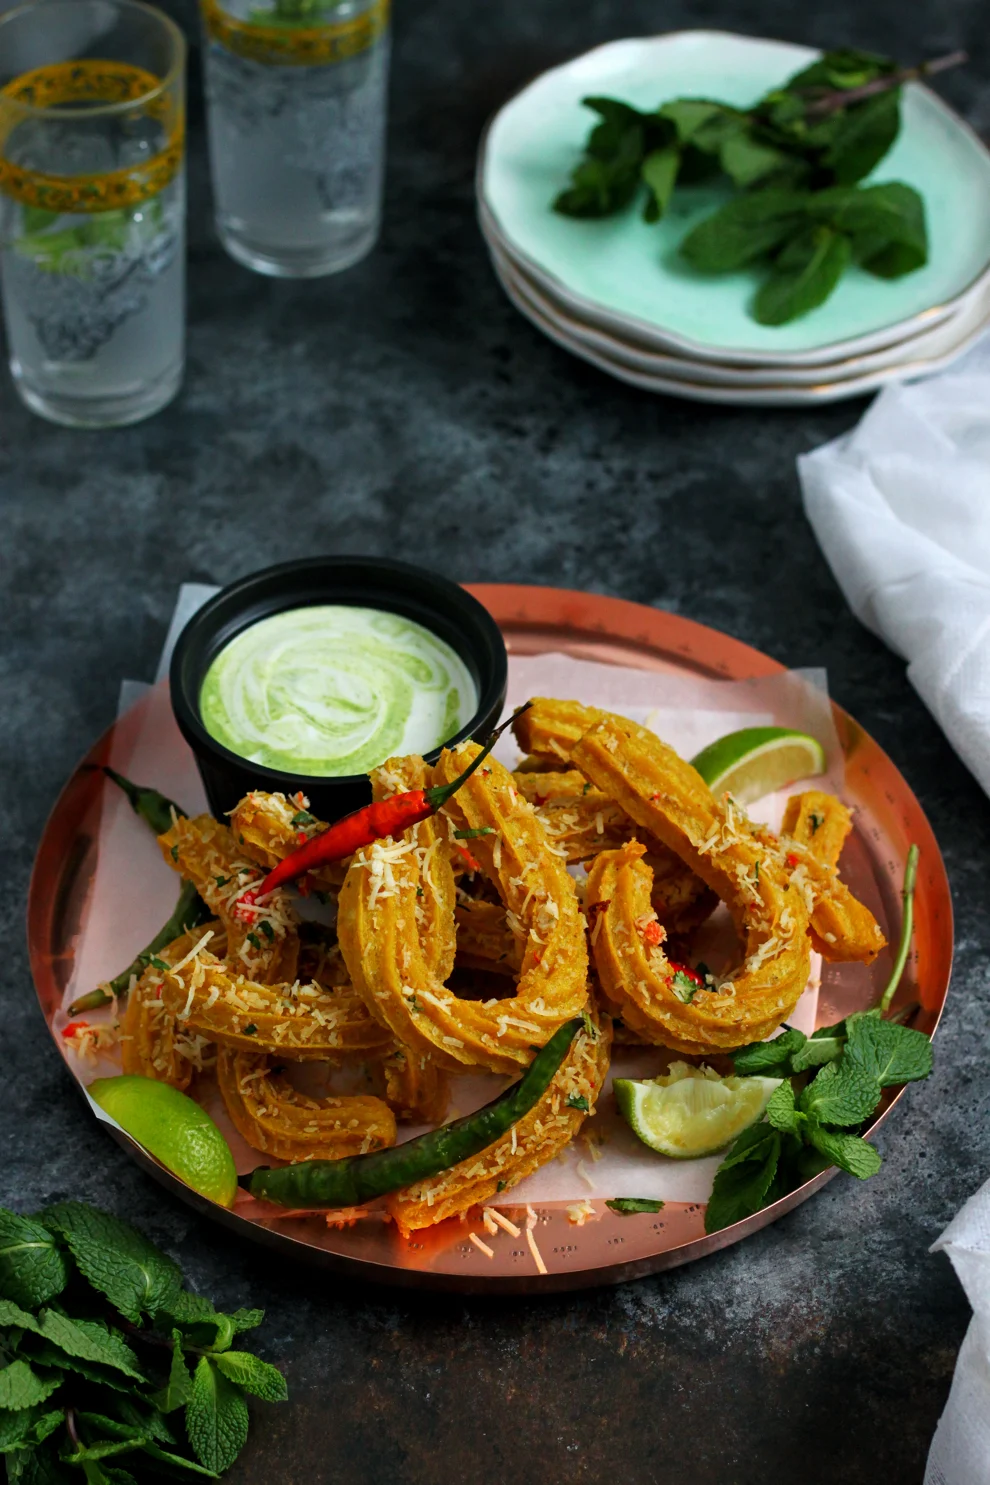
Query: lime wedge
[[691, 1111], [174, 1128], [757, 760]]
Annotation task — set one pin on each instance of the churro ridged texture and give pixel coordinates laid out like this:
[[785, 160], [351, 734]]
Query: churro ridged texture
[[276, 1118], [300, 1022], [150, 1044], [261, 939], [395, 890], [532, 1142]]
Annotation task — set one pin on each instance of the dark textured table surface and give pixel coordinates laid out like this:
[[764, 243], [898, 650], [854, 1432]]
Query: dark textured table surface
[[405, 407]]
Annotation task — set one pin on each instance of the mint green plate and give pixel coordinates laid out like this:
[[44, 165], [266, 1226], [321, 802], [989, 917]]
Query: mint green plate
[[624, 275]]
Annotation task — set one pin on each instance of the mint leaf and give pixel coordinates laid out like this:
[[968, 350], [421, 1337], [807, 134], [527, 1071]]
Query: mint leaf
[[848, 1151], [759, 1058], [841, 1093], [164, 1456], [689, 115], [889, 1053], [744, 230], [254, 1375], [216, 1417], [90, 1340], [862, 135], [45, 1354], [39, 1466], [136, 1277], [628, 1206], [22, 1387], [817, 1051], [247, 1319], [747, 160], [178, 1389], [782, 1111], [32, 1267], [190, 1309], [659, 172], [804, 275], [26, 1427], [744, 1178]]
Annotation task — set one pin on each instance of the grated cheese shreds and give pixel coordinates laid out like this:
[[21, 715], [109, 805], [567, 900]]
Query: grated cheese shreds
[[192, 952], [482, 1247], [580, 1212], [541, 1267]]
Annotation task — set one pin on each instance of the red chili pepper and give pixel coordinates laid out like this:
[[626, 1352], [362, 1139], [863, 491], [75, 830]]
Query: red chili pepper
[[791, 860], [690, 974], [469, 860], [72, 1027], [375, 821], [653, 934]]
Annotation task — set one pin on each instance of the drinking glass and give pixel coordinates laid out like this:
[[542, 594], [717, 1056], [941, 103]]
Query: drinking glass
[[92, 207], [296, 104]]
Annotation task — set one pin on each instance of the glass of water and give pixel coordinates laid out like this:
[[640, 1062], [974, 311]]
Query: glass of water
[[296, 103], [92, 207]]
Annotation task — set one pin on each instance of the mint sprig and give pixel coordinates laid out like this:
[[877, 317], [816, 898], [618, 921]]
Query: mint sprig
[[104, 1356], [809, 1124], [796, 158]]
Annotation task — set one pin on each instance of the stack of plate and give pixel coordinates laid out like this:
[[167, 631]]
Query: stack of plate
[[615, 291]]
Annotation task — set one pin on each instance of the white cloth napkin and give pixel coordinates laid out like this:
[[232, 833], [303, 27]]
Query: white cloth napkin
[[901, 508], [960, 1452]]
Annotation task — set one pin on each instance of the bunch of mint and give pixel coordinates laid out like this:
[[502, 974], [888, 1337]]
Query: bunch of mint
[[797, 156], [104, 1352], [805, 1131]]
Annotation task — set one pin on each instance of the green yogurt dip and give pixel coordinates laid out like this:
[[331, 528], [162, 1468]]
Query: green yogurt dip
[[334, 690]]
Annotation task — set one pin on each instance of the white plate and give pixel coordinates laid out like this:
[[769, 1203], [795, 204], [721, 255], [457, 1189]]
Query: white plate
[[624, 276], [948, 338], [769, 394]]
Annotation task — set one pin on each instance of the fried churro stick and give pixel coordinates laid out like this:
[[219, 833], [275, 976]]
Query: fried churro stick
[[814, 831], [275, 1117], [296, 1022], [270, 827], [262, 942], [533, 1141], [670, 799], [395, 890], [150, 1045]]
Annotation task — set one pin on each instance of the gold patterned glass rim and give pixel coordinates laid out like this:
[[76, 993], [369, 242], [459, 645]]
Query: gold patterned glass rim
[[122, 87], [302, 46]]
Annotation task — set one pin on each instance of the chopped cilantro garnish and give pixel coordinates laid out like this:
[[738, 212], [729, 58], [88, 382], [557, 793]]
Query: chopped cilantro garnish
[[303, 817], [585, 790], [174, 853], [158, 963], [250, 1029], [473, 834], [253, 938], [500, 1186], [577, 1101], [221, 881], [816, 821], [267, 928], [683, 987], [419, 891]]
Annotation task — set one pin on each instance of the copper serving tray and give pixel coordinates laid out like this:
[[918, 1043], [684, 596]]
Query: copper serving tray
[[612, 1248]]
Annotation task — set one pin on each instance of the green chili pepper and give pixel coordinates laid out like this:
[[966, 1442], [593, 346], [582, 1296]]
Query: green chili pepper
[[359, 1178], [190, 912], [153, 807]]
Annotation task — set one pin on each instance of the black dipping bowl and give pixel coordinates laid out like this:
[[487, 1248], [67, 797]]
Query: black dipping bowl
[[367, 582]]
